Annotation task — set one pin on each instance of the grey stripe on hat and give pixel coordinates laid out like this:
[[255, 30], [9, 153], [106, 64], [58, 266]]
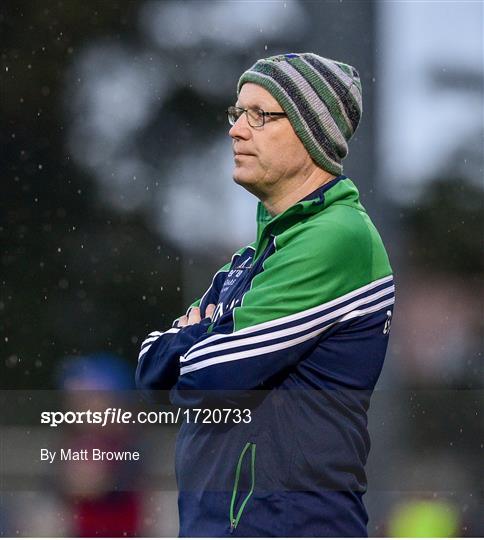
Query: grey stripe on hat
[[329, 125], [304, 107], [333, 81], [346, 122], [352, 88]]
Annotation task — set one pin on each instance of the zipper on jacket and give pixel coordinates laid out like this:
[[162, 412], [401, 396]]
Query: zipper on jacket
[[235, 517]]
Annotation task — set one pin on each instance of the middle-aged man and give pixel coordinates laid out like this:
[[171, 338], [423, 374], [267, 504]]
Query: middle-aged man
[[296, 325]]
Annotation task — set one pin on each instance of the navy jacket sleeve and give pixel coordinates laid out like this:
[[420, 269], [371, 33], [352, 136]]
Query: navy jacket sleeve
[[158, 363]]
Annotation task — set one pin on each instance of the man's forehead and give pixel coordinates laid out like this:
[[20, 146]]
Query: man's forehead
[[253, 95]]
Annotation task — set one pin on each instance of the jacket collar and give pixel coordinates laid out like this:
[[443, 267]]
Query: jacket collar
[[339, 190]]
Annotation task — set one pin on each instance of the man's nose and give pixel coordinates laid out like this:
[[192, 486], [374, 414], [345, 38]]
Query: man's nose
[[241, 128]]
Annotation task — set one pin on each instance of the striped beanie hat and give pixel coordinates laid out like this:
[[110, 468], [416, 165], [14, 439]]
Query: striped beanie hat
[[321, 97]]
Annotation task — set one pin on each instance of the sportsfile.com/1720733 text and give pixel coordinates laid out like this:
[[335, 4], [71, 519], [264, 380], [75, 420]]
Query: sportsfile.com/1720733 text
[[114, 415]]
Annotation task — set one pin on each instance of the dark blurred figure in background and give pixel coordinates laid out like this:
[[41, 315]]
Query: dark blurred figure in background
[[99, 495]]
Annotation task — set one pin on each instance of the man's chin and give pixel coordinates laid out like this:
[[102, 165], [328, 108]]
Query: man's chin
[[242, 179], [249, 185]]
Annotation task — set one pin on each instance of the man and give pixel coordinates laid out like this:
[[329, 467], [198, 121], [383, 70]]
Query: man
[[296, 325]]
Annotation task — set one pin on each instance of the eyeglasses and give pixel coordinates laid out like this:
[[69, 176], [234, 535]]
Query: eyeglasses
[[255, 117]]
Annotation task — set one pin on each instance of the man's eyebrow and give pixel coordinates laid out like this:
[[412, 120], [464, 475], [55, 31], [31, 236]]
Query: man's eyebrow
[[255, 106]]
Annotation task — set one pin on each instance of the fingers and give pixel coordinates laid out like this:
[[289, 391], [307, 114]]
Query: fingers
[[183, 321], [209, 311], [194, 316]]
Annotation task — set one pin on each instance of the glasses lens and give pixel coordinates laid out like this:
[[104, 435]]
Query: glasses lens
[[233, 114], [256, 117]]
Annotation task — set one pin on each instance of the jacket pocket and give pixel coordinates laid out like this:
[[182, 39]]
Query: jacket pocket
[[235, 514]]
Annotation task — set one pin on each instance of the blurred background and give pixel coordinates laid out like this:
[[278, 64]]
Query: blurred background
[[117, 206]]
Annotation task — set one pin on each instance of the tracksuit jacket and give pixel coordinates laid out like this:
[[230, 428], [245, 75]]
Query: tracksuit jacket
[[298, 337]]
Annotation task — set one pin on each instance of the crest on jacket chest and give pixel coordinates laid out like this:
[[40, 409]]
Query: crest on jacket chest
[[235, 284], [236, 275]]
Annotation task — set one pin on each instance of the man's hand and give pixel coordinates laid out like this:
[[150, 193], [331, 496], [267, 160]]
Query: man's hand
[[194, 316]]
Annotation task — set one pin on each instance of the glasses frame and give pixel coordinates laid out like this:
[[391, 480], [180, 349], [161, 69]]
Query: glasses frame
[[261, 112]]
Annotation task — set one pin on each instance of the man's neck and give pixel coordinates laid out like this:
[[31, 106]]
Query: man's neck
[[279, 202]]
